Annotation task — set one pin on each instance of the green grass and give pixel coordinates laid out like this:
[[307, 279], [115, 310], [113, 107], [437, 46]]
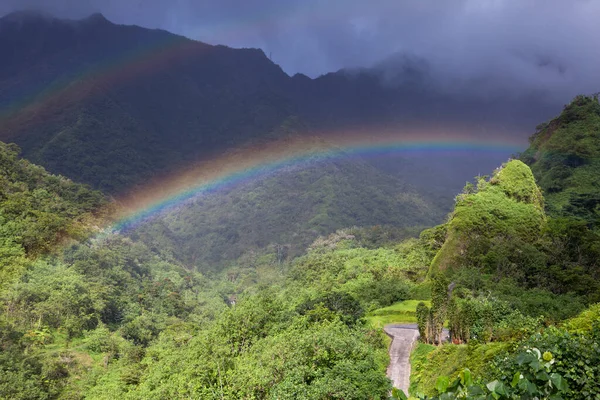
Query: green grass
[[418, 361], [430, 362], [403, 312]]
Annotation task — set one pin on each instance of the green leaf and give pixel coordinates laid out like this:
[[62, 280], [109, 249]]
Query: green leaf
[[523, 384], [466, 378], [501, 389], [516, 379], [532, 388], [525, 358], [492, 385], [535, 365], [398, 394], [442, 384], [475, 391], [542, 376], [558, 381]]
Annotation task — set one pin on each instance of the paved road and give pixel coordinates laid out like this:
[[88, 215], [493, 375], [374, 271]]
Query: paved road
[[403, 340], [404, 337]]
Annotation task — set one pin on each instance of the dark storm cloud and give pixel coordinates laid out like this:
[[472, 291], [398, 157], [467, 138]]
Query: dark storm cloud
[[503, 44]]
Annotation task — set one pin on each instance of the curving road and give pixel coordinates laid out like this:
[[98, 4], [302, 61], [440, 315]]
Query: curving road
[[404, 337]]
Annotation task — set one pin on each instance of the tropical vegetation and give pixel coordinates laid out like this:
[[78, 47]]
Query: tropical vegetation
[[512, 273]]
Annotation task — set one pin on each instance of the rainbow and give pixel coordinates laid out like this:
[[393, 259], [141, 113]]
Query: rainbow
[[35, 104], [235, 166], [266, 159]]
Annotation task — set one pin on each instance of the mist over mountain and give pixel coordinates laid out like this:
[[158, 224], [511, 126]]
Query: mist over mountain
[[502, 43], [129, 91], [183, 219], [115, 106]]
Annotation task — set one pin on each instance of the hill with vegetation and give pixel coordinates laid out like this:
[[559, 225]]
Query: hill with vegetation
[[116, 106], [39, 211], [103, 316], [565, 158], [513, 271], [110, 317], [280, 215], [113, 105]]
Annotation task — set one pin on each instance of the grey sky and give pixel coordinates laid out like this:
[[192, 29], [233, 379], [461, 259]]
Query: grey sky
[[511, 43]]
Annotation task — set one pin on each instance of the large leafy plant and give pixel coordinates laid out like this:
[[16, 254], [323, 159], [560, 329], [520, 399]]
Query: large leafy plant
[[534, 379]]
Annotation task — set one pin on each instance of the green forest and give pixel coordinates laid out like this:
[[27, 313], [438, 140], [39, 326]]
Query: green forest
[[513, 273]]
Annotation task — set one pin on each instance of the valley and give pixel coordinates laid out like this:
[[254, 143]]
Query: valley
[[185, 220]]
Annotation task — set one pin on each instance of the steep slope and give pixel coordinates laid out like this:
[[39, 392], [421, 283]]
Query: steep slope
[[39, 211], [114, 105], [504, 212], [283, 213], [502, 227], [506, 274], [565, 158]]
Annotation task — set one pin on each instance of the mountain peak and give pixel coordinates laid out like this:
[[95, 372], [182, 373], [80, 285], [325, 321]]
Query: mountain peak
[[97, 18]]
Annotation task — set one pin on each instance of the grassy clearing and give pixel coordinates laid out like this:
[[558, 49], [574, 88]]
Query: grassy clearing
[[403, 312]]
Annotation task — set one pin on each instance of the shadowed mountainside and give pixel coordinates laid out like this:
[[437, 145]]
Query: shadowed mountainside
[[113, 105]]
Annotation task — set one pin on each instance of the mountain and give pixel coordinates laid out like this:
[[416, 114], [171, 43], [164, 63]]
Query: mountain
[[488, 219], [281, 214], [512, 260], [108, 317], [113, 105], [509, 227], [117, 106]]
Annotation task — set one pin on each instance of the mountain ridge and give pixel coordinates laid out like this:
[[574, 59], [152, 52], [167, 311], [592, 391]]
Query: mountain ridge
[[186, 99]]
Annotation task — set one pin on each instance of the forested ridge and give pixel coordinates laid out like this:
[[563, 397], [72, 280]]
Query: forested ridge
[[109, 316], [516, 276], [114, 105], [117, 106], [281, 214]]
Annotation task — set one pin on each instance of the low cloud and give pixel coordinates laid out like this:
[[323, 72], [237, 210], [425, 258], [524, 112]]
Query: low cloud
[[516, 45]]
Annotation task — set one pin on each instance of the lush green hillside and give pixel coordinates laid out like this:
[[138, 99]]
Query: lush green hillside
[[114, 106], [565, 158], [110, 317], [106, 317], [504, 211], [281, 214], [39, 211], [499, 228], [506, 275]]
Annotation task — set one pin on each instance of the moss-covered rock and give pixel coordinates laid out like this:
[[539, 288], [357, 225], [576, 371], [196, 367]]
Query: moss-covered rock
[[508, 208]]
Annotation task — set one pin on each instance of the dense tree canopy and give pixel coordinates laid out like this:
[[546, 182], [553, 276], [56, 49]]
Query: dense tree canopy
[[108, 316]]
